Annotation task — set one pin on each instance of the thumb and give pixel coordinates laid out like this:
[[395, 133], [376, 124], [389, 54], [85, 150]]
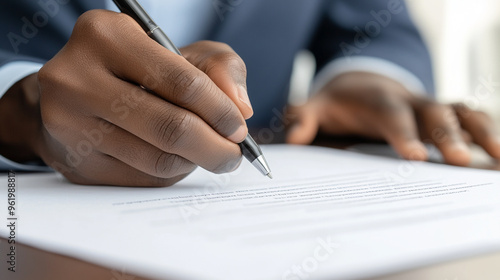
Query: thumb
[[304, 126], [225, 68]]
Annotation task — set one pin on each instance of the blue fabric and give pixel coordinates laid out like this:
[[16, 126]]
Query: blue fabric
[[266, 34], [184, 21], [4, 165]]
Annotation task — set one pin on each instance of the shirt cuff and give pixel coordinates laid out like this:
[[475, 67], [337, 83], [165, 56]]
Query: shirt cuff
[[7, 164], [369, 64], [10, 74]]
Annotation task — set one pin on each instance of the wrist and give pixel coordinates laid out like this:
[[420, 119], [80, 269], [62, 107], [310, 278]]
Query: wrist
[[365, 82], [20, 120]]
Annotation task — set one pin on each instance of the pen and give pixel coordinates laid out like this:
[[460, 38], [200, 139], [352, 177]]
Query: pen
[[250, 150]]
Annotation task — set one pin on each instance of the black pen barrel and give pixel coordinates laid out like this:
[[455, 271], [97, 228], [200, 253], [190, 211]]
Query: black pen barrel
[[137, 12]]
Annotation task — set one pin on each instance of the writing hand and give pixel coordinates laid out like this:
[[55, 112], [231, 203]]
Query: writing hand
[[117, 108]]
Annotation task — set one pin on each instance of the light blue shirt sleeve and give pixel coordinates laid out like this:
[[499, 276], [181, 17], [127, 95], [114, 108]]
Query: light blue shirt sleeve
[[10, 74], [169, 14], [372, 65], [184, 22]]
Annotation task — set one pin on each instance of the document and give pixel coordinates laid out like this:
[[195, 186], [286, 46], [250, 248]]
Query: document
[[327, 214]]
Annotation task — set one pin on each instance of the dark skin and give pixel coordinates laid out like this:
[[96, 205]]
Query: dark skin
[[96, 125], [376, 107], [20, 128], [139, 136]]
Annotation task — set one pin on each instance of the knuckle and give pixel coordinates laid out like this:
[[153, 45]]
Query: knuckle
[[226, 120], [228, 62], [50, 76], [460, 106], [91, 21], [384, 101], [123, 19], [172, 131], [435, 109], [97, 25], [186, 83], [462, 110], [446, 111]]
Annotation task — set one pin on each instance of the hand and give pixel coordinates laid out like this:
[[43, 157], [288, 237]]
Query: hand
[[117, 108], [377, 107]]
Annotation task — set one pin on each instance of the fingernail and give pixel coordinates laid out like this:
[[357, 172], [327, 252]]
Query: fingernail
[[417, 151], [243, 97], [459, 154], [239, 135], [460, 147]]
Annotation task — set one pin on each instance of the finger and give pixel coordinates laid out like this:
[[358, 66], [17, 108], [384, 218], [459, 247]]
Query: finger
[[137, 153], [101, 169], [304, 125], [481, 128], [174, 79], [100, 136], [166, 126], [397, 123], [442, 126], [466, 137], [225, 68]]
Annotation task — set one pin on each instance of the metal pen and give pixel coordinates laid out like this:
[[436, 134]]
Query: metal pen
[[250, 150]]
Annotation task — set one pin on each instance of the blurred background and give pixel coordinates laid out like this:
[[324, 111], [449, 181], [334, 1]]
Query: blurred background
[[464, 39]]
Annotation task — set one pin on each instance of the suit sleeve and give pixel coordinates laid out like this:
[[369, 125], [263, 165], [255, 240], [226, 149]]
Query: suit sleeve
[[381, 29], [15, 64]]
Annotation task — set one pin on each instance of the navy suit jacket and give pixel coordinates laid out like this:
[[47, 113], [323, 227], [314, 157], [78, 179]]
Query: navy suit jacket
[[265, 33]]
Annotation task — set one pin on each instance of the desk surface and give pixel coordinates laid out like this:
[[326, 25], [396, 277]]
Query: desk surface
[[41, 265], [37, 264]]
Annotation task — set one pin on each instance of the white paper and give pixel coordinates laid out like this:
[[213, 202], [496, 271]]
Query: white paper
[[328, 214]]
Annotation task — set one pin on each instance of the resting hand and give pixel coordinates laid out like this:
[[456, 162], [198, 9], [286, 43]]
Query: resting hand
[[377, 107]]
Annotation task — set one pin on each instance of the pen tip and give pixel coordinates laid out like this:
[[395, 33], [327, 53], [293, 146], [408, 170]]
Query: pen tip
[[270, 175]]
